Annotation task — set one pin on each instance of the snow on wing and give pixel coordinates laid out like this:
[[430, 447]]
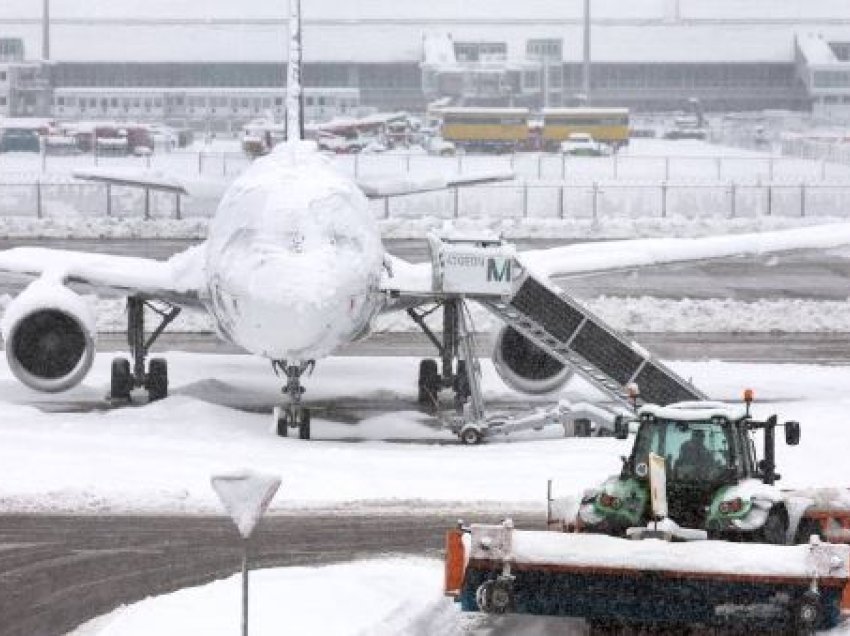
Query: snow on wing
[[179, 279], [587, 258]]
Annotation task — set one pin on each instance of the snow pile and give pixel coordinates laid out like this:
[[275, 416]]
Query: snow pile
[[160, 457], [383, 597], [710, 557]]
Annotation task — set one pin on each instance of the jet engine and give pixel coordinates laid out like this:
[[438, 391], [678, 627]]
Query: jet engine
[[49, 336], [523, 366]]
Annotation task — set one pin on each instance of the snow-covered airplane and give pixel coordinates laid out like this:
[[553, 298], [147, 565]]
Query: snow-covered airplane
[[292, 269]]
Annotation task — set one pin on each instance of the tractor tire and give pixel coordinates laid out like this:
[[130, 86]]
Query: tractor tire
[[121, 380], [808, 610], [429, 382], [775, 528], [157, 381]]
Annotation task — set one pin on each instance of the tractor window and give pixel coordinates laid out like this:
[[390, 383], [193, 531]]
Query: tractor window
[[691, 449]]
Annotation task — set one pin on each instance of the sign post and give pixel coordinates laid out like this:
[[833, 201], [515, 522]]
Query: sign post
[[246, 495]]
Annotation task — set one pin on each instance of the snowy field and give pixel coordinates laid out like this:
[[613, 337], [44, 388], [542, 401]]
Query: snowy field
[[628, 314], [385, 597], [159, 457]]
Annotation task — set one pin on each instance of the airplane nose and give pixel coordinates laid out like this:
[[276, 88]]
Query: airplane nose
[[296, 307]]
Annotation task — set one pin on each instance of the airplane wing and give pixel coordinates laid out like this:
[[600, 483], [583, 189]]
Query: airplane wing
[[605, 256], [155, 180], [407, 184], [580, 259], [159, 181], [178, 280]]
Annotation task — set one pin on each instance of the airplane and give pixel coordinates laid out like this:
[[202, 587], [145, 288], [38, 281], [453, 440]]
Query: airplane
[[292, 269]]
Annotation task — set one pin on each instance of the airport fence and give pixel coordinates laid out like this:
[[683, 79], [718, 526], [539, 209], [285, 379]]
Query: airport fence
[[517, 200], [618, 167]]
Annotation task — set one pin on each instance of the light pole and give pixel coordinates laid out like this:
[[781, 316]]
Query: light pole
[[586, 68]]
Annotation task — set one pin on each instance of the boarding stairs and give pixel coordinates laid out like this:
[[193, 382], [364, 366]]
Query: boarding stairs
[[567, 331]]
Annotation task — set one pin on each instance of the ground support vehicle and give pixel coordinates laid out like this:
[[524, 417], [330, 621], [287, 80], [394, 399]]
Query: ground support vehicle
[[607, 125], [615, 582], [583, 145], [736, 552], [486, 129], [548, 338]]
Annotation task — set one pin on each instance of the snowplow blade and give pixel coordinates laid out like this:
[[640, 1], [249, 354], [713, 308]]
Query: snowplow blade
[[607, 579]]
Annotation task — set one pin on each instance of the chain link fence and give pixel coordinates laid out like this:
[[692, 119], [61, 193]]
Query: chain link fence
[[593, 200]]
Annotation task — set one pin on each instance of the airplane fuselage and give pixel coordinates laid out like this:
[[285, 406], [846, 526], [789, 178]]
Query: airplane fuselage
[[294, 258]]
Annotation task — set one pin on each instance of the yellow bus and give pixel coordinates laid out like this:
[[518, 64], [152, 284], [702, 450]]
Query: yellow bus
[[608, 125], [486, 129]]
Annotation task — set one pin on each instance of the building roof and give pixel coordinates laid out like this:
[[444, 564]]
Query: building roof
[[698, 31]]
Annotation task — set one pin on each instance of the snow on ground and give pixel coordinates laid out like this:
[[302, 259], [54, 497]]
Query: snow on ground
[[382, 454], [381, 597], [630, 314]]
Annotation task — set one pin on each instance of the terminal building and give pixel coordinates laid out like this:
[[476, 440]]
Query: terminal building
[[219, 61]]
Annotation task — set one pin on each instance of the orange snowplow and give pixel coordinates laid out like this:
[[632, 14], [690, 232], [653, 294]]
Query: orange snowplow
[[498, 569]]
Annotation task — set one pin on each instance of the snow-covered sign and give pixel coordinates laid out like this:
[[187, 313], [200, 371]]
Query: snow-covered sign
[[658, 485], [246, 495]]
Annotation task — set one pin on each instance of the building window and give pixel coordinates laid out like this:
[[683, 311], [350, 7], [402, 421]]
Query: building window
[[549, 48], [113, 103], [2, 76], [2, 100]]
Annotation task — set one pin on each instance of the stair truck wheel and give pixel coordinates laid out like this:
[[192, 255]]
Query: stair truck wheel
[[120, 380], [807, 612], [775, 528], [471, 436], [304, 425], [429, 381], [157, 380]]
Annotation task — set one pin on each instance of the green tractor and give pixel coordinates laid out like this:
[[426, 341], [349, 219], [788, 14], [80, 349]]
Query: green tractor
[[714, 481]]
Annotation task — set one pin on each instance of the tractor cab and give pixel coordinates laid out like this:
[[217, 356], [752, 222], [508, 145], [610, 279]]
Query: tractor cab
[[714, 480]]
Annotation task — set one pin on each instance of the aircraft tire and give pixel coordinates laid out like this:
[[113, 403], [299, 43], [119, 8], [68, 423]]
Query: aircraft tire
[[157, 380], [429, 381], [304, 425], [120, 379]]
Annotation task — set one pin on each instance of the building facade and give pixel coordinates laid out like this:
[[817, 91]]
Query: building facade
[[646, 54]]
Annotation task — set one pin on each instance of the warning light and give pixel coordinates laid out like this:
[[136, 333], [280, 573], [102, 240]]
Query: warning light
[[633, 390], [748, 395]]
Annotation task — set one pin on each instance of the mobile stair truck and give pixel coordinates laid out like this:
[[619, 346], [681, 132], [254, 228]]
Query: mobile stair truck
[[670, 544]]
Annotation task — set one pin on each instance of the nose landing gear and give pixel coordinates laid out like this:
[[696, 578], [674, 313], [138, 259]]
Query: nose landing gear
[[293, 414]]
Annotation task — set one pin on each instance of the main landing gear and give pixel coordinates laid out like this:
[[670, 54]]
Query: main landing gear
[[293, 414], [124, 378], [432, 379]]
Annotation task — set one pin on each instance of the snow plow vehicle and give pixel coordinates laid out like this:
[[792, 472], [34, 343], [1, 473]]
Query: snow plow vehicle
[[692, 532]]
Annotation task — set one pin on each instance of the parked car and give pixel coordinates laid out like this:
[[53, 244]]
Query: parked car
[[584, 145], [19, 140]]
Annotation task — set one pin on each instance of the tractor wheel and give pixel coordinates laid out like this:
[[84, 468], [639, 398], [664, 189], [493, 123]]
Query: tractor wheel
[[157, 380], [121, 380], [429, 382], [807, 613], [775, 529]]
